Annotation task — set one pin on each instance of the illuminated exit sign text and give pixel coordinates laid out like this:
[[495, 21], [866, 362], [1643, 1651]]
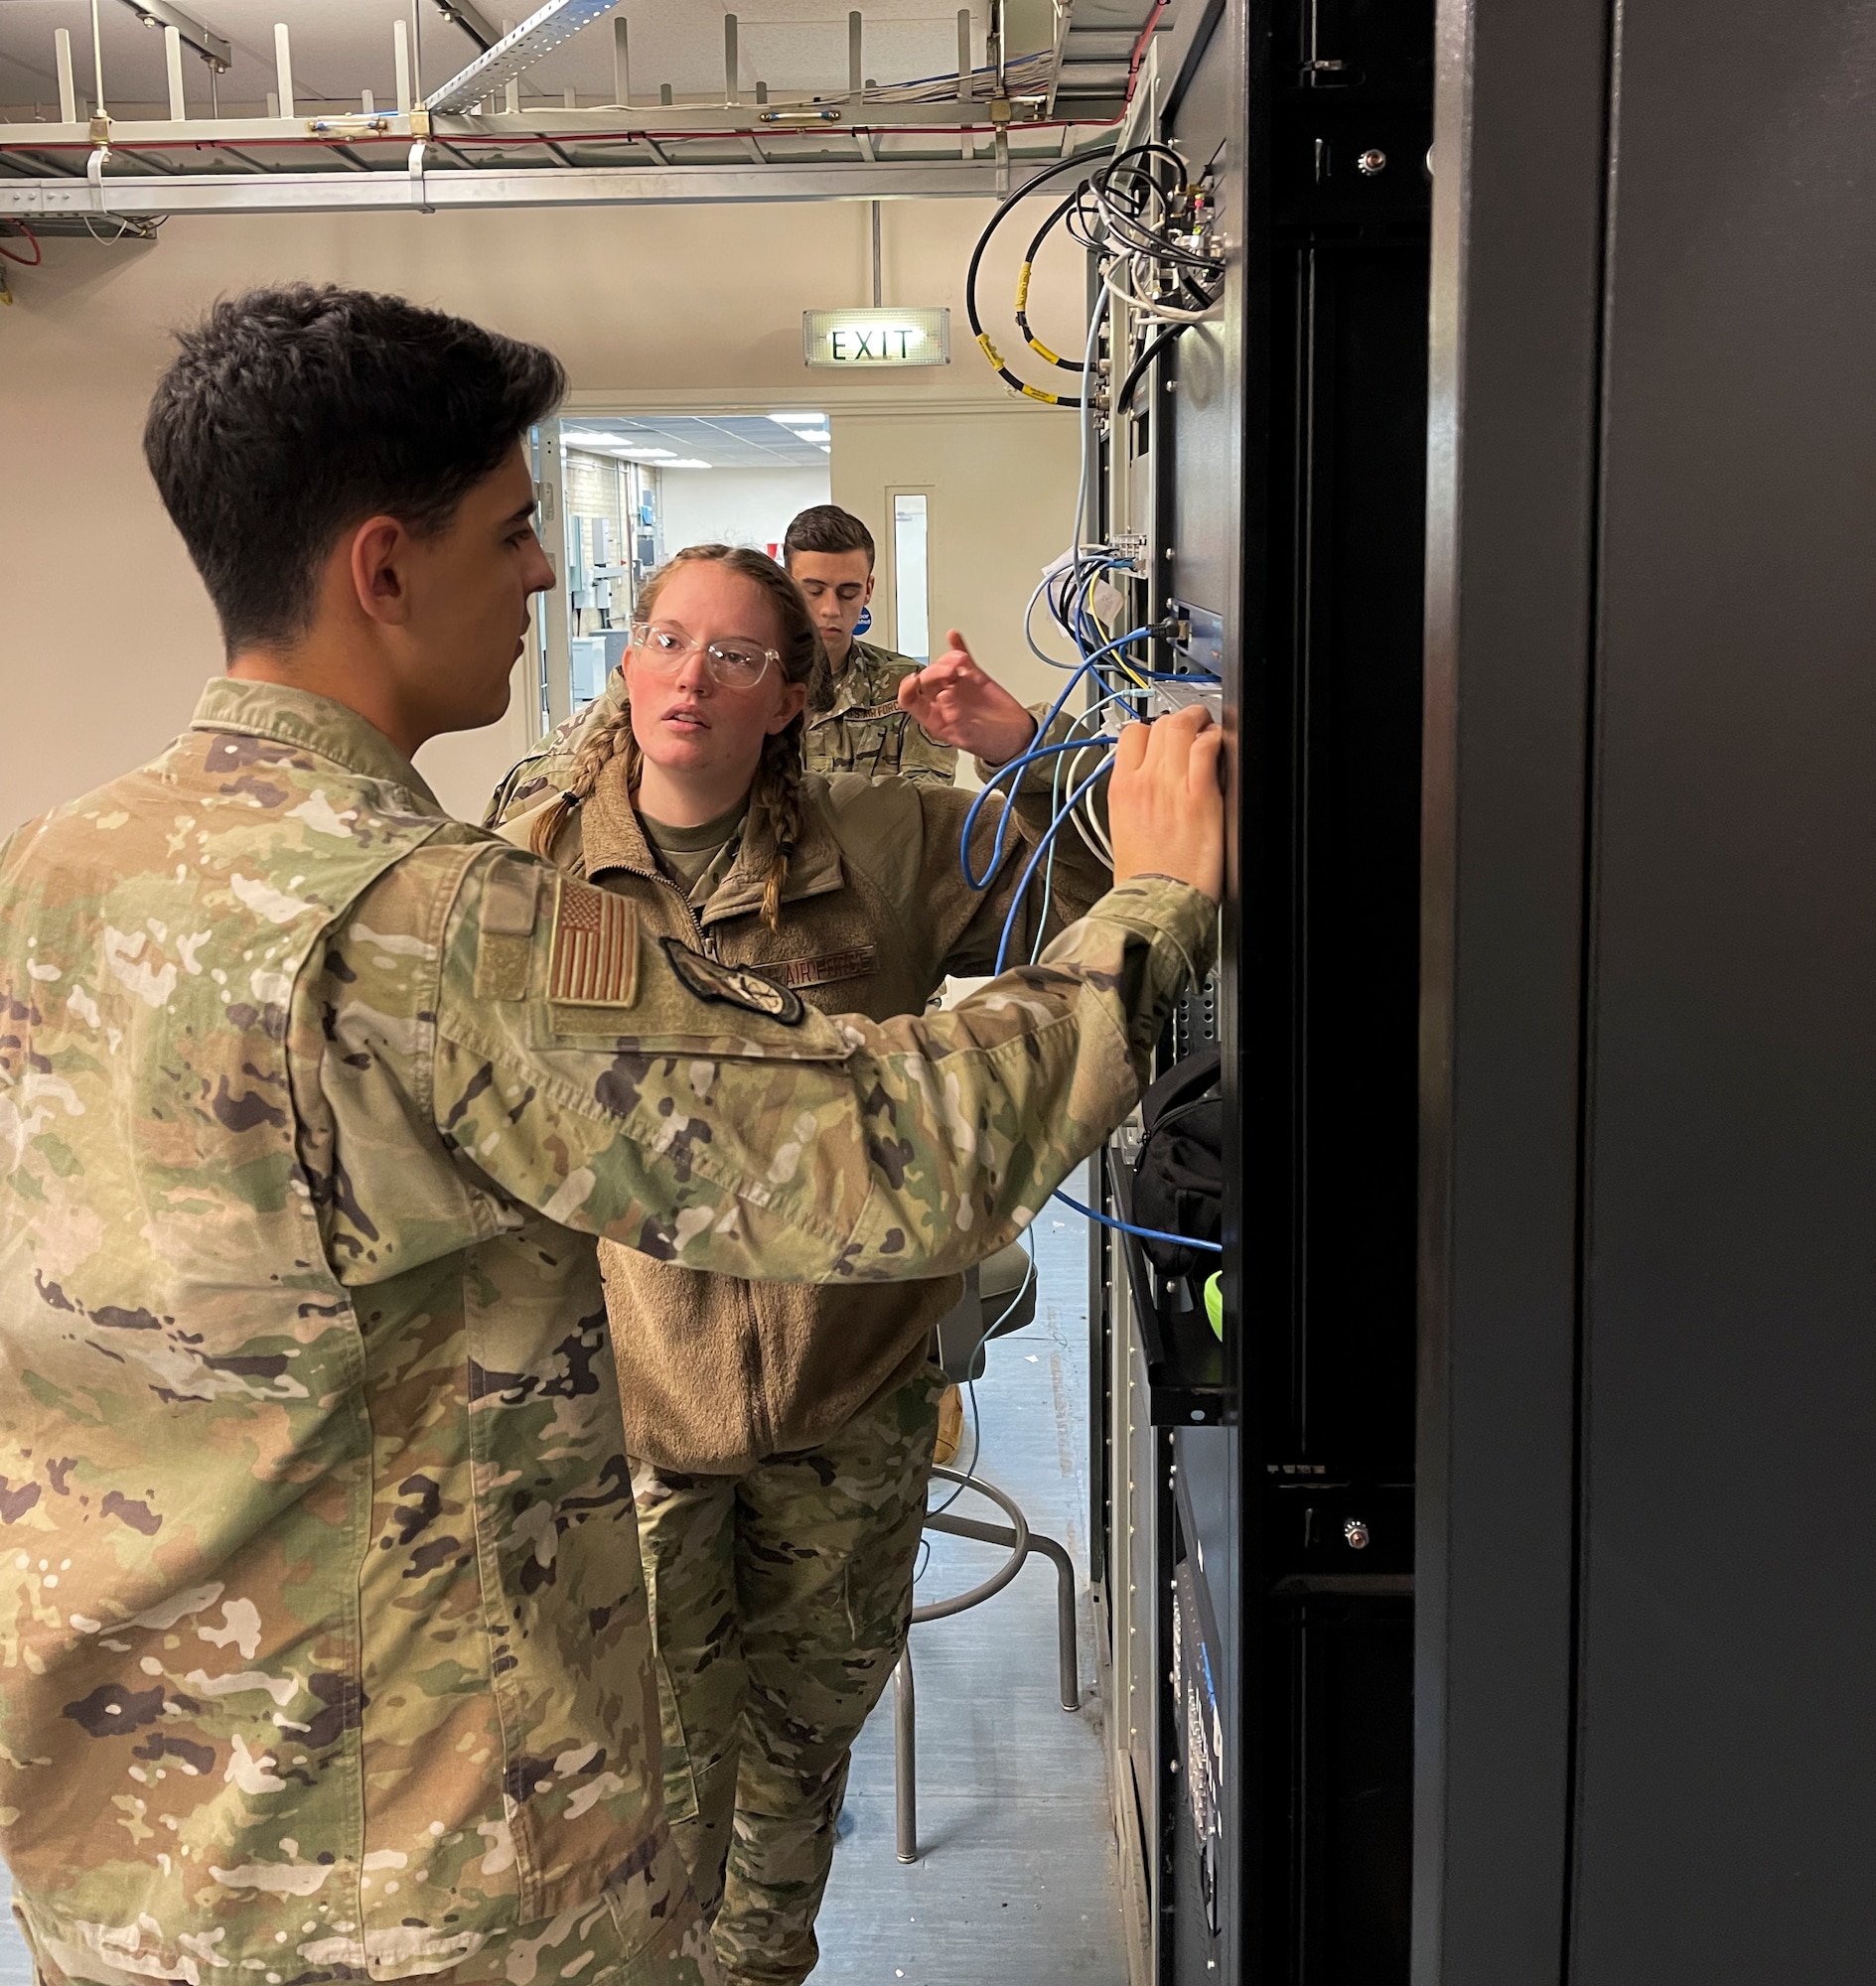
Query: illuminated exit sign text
[[861, 337]]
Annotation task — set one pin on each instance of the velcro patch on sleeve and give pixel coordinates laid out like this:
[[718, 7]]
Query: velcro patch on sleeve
[[853, 963], [504, 929], [501, 967], [510, 900], [595, 957], [733, 985]]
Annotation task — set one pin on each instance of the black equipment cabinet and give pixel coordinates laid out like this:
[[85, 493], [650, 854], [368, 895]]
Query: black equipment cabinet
[[1326, 979], [1649, 1086]]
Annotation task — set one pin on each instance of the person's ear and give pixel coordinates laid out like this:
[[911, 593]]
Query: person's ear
[[866, 597], [792, 702], [379, 555]]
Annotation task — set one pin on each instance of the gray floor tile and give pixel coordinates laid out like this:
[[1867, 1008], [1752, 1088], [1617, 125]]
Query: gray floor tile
[[1016, 1879]]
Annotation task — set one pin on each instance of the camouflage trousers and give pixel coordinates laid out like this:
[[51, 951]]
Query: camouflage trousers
[[780, 1601], [645, 1929]]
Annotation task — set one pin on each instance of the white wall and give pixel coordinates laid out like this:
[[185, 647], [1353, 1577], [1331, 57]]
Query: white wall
[[735, 506], [999, 504], [105, 637]]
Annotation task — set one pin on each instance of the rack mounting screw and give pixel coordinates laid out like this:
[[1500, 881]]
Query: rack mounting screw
[[1372, 161], [1357, 1535]]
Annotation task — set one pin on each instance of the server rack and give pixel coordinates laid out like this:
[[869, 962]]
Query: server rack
[[1258, 1496], [1605, 1618]]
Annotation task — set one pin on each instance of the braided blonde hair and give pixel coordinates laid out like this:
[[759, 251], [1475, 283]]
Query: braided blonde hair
[[777, 788]]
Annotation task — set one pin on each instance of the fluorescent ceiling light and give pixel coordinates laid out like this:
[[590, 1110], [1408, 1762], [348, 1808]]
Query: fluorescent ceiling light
[[683, 462], [800, 420]]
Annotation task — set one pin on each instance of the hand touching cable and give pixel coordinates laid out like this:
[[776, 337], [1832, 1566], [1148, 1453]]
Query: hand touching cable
[[1165, 806], [954, 702]]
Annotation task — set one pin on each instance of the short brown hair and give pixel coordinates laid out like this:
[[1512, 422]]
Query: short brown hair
[[827, 528]]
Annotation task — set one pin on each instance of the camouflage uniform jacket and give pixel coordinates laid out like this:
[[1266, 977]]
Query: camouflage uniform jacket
[[864, 730], [548, 769], [325, 1651], [875, 914]]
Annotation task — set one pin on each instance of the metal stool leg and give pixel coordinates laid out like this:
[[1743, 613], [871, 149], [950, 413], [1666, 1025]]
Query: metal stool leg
[[1019, 1542], [998, 1534], [906, 1757], [1065, 1618]]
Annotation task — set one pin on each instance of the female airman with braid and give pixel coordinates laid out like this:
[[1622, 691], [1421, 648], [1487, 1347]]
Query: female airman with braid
[[780, 1434]]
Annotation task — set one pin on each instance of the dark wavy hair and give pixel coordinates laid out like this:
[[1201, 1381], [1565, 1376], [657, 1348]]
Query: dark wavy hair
[[291, 414]]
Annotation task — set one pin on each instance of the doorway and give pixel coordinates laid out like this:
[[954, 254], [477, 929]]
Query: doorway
[[622, 492]]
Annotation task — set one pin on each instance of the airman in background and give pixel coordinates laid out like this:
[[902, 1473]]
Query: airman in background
[[856, 723]]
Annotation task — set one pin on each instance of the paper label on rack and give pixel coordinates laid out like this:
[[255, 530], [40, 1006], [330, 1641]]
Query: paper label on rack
[[1106, 601]]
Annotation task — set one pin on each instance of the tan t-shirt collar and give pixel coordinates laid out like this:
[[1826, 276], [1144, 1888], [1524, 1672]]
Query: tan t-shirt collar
[[612, 837]]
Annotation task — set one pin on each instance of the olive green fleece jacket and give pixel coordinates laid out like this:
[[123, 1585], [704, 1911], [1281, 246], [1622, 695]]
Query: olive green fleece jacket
[[716, 1374]]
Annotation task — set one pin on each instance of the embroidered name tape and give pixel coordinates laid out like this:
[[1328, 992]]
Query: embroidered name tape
[[595, 948], [733, 985], [852, 963]]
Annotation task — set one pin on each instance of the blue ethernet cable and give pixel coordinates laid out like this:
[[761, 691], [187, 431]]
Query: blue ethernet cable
[[1054, 828], [1018, 764], [1091, 743], [1028, 758], [1145, 1233]]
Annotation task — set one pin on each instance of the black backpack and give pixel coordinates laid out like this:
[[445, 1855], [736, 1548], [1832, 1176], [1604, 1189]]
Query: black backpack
[[1179, 1177]]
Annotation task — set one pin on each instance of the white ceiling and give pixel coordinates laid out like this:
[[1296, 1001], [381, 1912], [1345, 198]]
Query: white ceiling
[[717, 440], [342, 46]]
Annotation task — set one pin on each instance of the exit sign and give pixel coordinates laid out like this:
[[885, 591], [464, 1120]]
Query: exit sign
[[862, 337]]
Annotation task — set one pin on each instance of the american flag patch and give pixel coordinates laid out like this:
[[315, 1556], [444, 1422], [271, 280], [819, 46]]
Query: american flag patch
[[595, 948]]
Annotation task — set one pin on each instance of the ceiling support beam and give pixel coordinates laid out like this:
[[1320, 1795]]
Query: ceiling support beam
[[472, 22], [209, 46], [617, 185]]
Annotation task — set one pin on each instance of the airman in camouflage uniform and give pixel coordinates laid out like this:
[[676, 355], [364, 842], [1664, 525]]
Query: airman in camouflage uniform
[[854, 720], [864, 730], [781, 1437], [326, 1649]]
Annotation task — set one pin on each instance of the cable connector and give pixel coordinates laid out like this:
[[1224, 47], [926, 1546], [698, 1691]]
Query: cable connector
[[1166, 694]]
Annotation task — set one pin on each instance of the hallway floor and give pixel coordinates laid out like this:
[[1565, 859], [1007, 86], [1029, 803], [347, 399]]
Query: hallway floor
[[1017, 1872]]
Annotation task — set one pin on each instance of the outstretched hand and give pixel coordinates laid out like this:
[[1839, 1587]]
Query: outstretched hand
[[955, 703], [1165, 807]]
